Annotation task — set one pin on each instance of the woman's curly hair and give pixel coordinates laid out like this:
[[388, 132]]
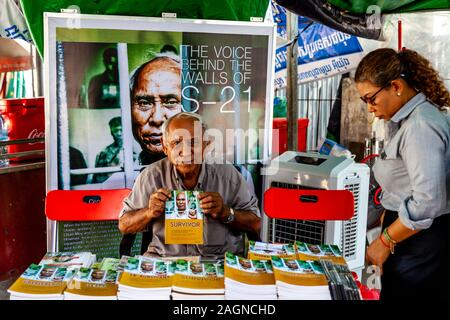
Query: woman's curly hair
[[384, 65]]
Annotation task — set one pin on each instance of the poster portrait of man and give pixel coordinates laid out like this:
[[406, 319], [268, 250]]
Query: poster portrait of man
[[155, 93]]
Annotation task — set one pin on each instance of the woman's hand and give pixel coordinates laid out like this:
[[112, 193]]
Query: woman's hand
[[377, 253]]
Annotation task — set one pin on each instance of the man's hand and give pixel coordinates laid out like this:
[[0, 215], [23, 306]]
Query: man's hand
[[377, 253], [157, 202], [212, 204]]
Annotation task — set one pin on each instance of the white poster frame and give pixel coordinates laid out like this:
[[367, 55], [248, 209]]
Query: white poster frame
[[52, 21]]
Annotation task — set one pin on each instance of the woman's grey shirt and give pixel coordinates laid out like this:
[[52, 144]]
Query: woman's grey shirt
[[414, 168]]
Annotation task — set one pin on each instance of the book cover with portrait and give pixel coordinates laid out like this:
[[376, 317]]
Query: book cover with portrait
[[42, 281], [184, 218], [263, 250], [192, 277], [247, 271], [91, 282], [143, 272], [68, 259], [298, 272], [307, 251]]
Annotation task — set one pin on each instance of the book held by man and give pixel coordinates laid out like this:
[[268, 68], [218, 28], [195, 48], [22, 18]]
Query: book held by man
[[183, 218]]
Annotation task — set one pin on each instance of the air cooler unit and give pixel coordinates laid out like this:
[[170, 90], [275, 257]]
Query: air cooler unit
[[298, 170]]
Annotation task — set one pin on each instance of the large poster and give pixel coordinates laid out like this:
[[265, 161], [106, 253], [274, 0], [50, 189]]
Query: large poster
[[105, 138], [113, 81]]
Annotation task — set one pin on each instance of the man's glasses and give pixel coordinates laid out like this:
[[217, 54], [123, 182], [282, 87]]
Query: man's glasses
[[371, 99]]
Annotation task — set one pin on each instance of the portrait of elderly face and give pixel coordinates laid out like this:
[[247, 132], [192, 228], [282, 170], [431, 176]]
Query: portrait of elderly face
[[292, 264], [184, 143], [181, 201], [46, 273], [97, 275], [314, 249], [192, 214], [147, 266], [155, 97], [196, 268], [246, 264]]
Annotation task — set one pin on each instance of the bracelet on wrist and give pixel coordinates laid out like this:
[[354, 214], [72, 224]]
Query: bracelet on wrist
[[388, 238], [392, 243], [384, 243]]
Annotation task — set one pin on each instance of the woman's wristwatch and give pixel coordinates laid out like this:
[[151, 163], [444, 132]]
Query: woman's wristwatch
[[230, 217]]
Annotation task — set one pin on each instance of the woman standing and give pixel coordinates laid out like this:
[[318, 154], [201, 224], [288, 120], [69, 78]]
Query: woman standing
[[413, 250]]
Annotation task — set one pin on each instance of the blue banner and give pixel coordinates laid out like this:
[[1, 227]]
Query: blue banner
[[316, 41], [319, 42], [322, 51]]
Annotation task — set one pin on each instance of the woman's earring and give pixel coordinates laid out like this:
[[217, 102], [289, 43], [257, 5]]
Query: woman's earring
[[398, 93]]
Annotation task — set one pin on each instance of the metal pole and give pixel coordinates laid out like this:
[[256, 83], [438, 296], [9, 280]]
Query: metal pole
[[63, 121], [292, 83]]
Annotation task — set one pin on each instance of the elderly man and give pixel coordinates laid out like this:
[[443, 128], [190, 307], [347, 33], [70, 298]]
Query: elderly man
[[228, 206], [155, 97], [181, 204]]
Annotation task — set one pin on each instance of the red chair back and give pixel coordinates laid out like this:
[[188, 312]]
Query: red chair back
[[308, 204], [85, 205]]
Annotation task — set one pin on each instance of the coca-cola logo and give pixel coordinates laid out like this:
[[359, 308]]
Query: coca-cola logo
[[36, 134]]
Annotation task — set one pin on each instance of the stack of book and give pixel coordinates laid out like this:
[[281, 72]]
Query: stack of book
[[248, 279], [49, 278], [341, 282], [264, 251], [40, 282], [92, 284], [202, 281], [145, 279], [300, 280]]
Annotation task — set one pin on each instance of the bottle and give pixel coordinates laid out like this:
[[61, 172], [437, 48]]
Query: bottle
[[332, 148], [3, 137]]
